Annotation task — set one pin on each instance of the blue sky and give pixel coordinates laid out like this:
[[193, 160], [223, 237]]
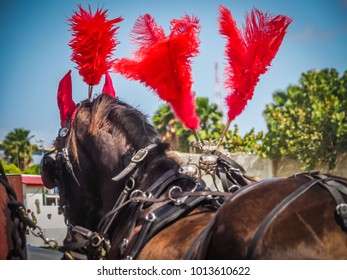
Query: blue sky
[[35, 54]]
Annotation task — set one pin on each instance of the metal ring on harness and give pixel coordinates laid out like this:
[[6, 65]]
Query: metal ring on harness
[[130, 183], [96, 240], [177, 201], [234, 188], [135, 194], [150, 217]]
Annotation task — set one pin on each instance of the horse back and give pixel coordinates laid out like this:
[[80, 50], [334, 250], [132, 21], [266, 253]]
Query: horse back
[[304, 228], [175, 241]]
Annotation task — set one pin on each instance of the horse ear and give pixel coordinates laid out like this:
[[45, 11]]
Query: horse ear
[[108, 86], [64, 97]]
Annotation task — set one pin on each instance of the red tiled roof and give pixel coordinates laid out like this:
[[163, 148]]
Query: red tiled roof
[[32, 180]]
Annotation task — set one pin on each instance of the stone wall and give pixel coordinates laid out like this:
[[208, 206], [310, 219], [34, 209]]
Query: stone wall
[[284, 167]]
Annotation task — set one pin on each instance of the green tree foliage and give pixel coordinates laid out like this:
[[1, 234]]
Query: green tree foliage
[[211, 127], [17, 147], [33, 169], [308, 121], [249, 143], [167, 126], [211, 119], [10, 168]]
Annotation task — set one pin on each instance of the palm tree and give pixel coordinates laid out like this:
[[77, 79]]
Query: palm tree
[[173, 132], [167, 126], [17, 147], [211, 119]]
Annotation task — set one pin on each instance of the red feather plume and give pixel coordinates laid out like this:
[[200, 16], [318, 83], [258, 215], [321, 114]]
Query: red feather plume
[[163, 63], [249, 53], [93, 43]]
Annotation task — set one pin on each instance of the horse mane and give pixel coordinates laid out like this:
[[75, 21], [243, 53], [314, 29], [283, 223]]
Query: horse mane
[[112, 115]]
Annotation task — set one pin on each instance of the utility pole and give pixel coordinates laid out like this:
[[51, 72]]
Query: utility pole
[[218, 89]]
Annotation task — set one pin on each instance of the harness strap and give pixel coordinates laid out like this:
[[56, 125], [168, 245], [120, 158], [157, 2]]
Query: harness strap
[[160, 218], [138, 157], [92, 243], [158, 187], [63, 155], [230, 161], [231, 174], [223, 177], [334, 186], [150, 218], [108, 219], [274, 213]]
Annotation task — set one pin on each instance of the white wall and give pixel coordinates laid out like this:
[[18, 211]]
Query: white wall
[[54, 228]]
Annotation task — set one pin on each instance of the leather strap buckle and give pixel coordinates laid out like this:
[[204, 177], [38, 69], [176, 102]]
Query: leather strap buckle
[[140, 155]]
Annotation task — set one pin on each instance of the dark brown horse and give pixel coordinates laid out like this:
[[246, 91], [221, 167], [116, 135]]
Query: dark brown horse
[[100, 144], [122, 194], [12, 221], [300, 217]]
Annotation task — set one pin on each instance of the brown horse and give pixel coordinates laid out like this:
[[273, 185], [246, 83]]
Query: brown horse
[[300, 217], [12, 221], [122, 194], [101, 143]]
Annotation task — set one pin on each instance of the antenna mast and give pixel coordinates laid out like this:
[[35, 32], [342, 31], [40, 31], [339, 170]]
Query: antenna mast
[[218, 89]]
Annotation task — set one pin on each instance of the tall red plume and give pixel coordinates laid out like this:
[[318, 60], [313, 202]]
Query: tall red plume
[[249, 53], [108, 86], [93, 43], [64, 97], [163, 63]]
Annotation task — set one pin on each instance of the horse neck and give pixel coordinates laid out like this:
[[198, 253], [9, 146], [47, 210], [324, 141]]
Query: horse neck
[[148, 173]]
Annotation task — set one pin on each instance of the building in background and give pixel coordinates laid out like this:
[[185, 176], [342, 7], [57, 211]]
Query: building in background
[[42, 207]]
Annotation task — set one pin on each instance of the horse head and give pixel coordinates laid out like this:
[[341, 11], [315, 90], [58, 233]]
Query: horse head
[[98, 142]]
